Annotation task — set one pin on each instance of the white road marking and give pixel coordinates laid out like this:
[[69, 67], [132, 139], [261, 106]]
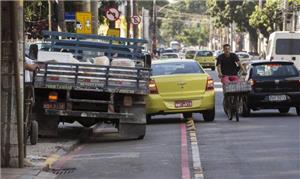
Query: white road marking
[[97, 156]]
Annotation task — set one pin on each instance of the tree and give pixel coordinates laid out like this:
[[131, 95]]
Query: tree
[[180, 21], [227, 12], [268, 18]]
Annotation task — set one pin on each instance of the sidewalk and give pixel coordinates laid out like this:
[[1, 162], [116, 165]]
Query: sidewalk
[[25, 173], [41, 156]]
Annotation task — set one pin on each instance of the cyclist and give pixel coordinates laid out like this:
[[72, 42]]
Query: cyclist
[[228, 65]]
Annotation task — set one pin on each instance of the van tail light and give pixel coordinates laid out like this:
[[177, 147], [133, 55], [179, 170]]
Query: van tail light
[[252, 82], [209, 84], [53, 96], [153, 87]]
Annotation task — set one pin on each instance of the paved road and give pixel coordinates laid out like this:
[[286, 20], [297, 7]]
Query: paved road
[[265, 145]]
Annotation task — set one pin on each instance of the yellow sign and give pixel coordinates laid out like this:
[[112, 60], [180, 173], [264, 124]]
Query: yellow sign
[[113, 32], [83, 22]]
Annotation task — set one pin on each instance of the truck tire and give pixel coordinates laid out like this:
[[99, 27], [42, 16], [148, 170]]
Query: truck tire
[[48, 125], [135, 129], [34, 132]]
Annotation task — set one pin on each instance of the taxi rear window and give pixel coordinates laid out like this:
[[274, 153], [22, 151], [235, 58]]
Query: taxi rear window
[[176, 68], [274, 70], [204, 54]]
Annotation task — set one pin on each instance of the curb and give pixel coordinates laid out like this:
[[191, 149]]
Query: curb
[[197, 166]]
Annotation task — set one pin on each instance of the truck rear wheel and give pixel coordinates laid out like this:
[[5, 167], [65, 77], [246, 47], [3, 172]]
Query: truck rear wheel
[[47, 125]]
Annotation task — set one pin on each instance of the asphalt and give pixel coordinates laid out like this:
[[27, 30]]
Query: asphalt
[[156, 156], [263, 146]]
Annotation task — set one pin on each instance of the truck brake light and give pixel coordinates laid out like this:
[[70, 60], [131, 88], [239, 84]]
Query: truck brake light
[[53, 96]]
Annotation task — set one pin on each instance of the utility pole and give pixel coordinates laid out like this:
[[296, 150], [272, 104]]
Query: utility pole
[[260, 4], [50, 15], [94, 8], [12, 135], [61, 16], [135, 26], [154, 28], [285, 7], [128, 19]]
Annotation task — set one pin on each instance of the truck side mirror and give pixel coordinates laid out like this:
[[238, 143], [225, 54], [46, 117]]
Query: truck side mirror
[[147, 61], [33, 52]]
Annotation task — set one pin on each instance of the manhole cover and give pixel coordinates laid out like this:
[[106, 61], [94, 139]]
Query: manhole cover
[[62, 171]]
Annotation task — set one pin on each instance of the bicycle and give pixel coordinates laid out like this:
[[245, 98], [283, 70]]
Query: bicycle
[[234, 93]]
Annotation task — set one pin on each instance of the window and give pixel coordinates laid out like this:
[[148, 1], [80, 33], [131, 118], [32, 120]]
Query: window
[[288, 46], [176, 68], [204, 54], [275, 70]]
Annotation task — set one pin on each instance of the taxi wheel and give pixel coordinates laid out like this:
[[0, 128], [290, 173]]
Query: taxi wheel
[[284, 110], [209, 115], [298, 110]]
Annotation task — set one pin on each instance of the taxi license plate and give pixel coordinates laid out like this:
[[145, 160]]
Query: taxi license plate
[[183, 104], [277, 98]]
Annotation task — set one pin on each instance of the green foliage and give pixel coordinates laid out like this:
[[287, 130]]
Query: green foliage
[[194, 36], [264, 18], [180, 21], [35, 10]]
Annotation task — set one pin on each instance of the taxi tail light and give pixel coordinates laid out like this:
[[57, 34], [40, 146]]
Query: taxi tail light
[[53, 96], [209, 84], [153, 87]]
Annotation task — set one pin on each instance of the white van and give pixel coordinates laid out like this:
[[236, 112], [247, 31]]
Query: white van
[[284, 45]]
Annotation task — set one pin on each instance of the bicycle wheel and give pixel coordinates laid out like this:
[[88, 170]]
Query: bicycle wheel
[[227, 107], [237, 107]]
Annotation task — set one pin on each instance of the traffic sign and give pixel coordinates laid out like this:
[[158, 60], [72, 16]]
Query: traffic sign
[[114, 32], [83, 22], [136, 20], [70, 16], [112, 14]]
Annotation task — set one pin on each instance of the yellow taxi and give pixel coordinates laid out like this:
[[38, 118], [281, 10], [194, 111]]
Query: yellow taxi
[[206, 59], [180, 86]]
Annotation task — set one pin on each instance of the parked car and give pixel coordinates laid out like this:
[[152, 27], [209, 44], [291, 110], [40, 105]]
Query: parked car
[[275, 85], [217, 53], [190, 54], [244, 57], [180, 86], [169, 55], [206, 59]]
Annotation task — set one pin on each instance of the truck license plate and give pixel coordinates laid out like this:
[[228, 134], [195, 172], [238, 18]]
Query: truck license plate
[[183, 104], [277, 98]]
